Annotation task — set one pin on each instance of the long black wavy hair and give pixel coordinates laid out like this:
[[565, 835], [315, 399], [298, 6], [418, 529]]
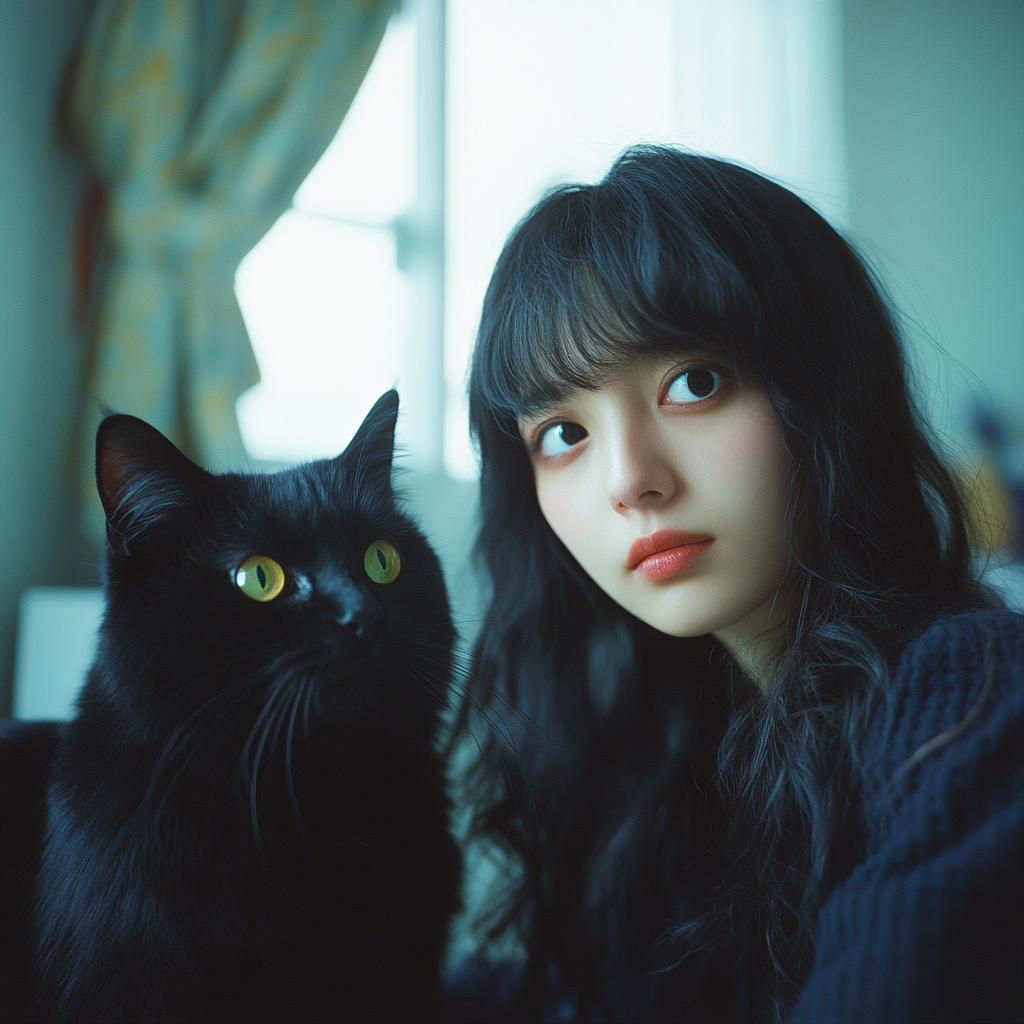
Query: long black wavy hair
[[666, 821]]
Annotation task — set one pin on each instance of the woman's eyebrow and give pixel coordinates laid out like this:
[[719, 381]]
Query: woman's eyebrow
[[698, 353], [545, 408], [529, 423]]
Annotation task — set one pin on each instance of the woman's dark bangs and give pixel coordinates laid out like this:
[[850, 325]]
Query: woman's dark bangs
[[587, 292]]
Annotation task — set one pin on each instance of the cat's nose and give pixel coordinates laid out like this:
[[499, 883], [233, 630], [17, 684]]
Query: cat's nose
[[352, 606], [363, 617]]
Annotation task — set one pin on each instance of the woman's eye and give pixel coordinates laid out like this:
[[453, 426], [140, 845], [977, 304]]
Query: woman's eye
[[694, 385], [560, 437], [260, 578]]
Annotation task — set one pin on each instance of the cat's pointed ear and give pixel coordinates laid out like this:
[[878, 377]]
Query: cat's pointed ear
[[141, 477], [371, 451]]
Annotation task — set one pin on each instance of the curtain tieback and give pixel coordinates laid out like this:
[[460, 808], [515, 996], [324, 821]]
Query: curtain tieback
[[177, 230]]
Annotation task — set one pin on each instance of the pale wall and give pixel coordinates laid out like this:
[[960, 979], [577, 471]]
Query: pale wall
[[934, 95], [40, 355]]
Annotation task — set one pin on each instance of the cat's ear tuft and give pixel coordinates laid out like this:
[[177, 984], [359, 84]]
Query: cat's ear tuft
[[141, 478], [370, 452]]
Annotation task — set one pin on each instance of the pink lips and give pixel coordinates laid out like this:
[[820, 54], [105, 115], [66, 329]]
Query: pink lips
[[666, 553]]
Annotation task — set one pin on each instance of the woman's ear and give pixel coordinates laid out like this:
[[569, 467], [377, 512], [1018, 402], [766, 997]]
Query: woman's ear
[[141, 478]]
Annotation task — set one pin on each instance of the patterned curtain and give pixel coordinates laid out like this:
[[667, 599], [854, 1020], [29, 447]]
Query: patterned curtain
[[201, 119]]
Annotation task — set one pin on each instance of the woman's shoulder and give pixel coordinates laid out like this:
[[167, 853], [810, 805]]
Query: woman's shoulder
[[964, 640], [927, 924], [944, 752], [961, 680]]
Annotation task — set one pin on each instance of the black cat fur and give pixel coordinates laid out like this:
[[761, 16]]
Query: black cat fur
[[246, 820]]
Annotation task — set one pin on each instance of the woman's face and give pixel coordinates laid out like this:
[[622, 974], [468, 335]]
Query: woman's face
[[669, 486]]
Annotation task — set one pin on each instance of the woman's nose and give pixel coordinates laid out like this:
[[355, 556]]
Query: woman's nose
[[639, 476]]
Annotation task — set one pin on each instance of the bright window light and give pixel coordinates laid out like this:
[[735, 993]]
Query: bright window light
[[325, 308], [323, 300]]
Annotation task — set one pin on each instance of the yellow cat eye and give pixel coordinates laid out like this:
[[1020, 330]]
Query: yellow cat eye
[[382, 562], [260, 578]]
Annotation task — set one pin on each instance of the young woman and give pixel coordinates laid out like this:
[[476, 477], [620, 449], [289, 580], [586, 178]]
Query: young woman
[[759, 754]]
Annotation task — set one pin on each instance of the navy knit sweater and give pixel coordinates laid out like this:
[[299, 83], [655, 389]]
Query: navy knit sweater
[[929, 926]]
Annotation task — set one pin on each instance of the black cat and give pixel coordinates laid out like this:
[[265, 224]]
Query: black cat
[[247, 819]]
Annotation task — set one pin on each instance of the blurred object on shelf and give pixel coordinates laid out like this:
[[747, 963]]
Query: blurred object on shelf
[[56, 645], [989, 507], [995, 487]]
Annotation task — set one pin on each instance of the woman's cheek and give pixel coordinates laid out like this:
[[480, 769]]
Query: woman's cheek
[[560, 506], [568, 505], [751, 466]]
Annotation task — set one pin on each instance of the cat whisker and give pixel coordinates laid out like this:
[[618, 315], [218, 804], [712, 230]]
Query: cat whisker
[[283, 703], [462, 676], [188, 735], [263, 726], [304, 686], [510, 793], [430, 686], [176, 750], [310, 692], [494, 723]]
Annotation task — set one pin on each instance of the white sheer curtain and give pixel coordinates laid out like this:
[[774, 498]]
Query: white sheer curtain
[[760, 81]]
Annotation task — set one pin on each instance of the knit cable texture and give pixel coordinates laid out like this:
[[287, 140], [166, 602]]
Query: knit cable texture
[[929, 926]]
